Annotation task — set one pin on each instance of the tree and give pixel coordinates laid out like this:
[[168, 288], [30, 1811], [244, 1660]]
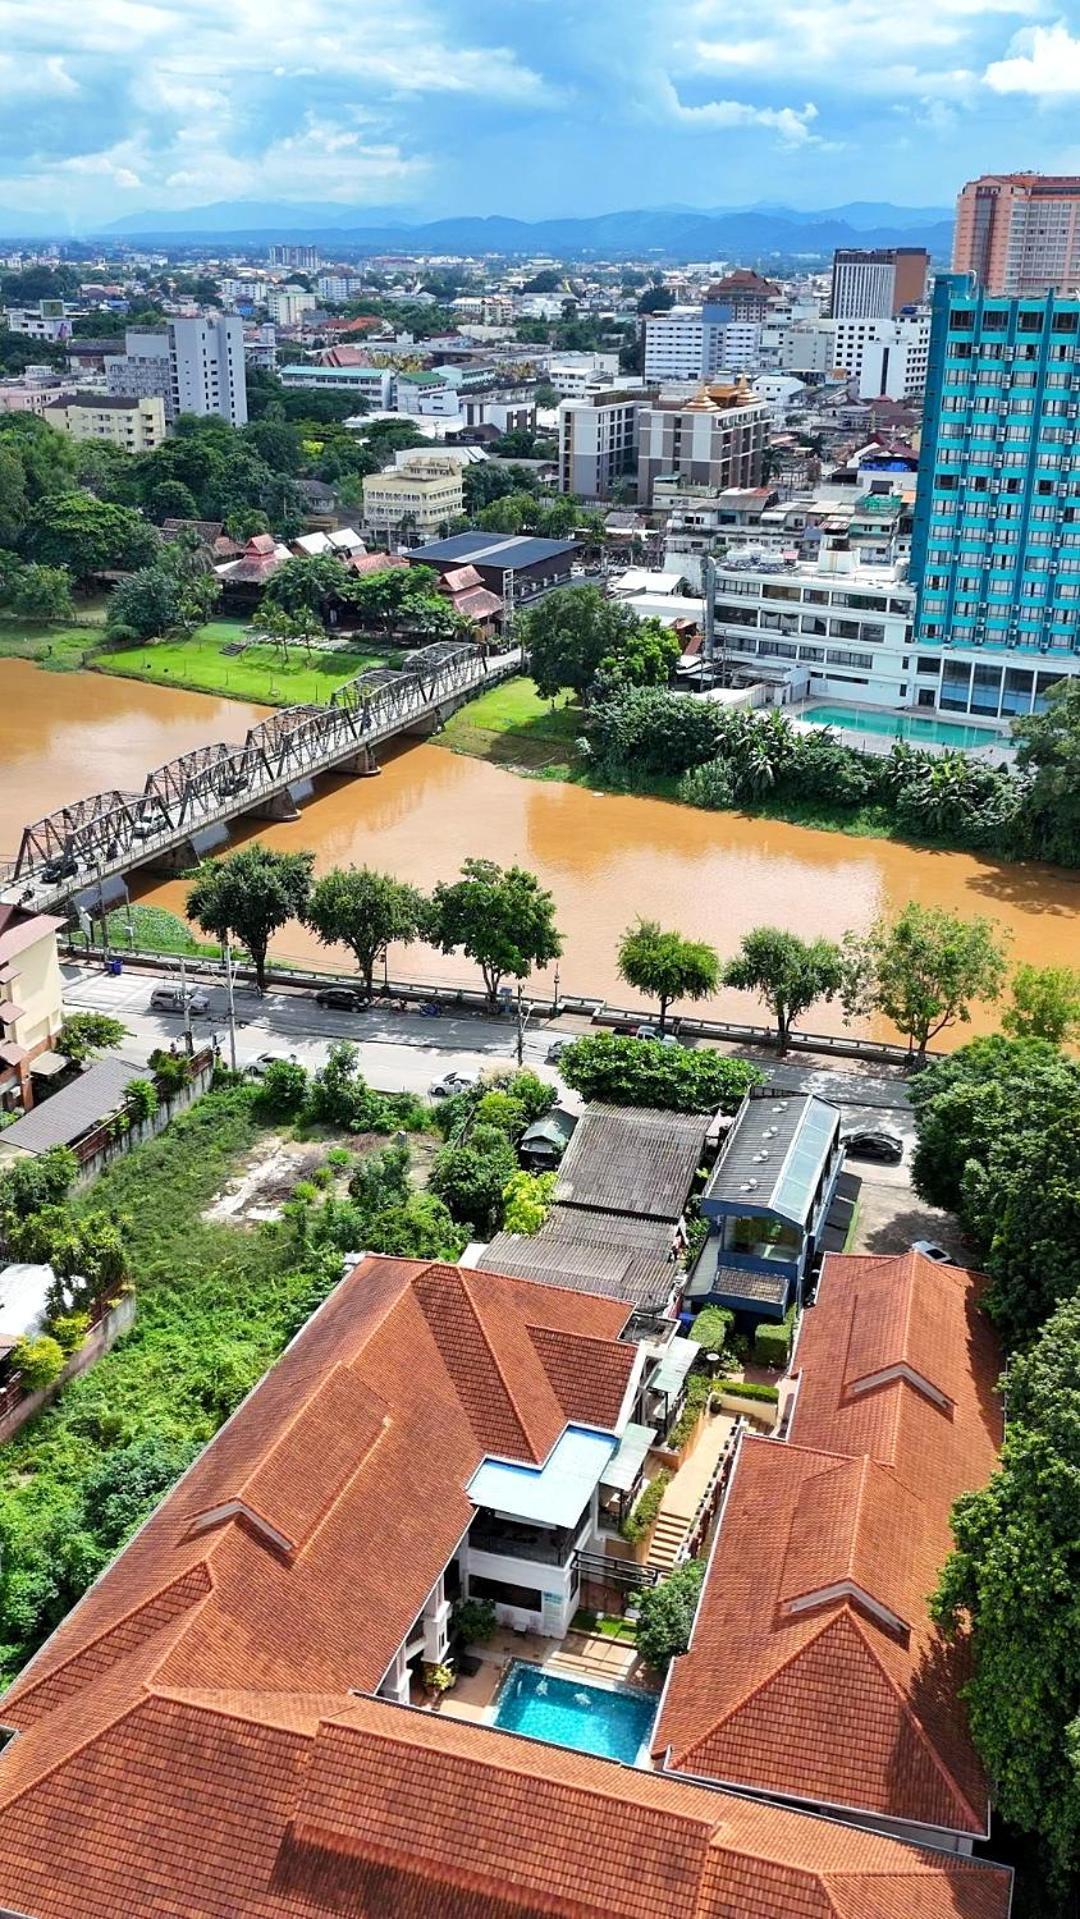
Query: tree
[[527, 1201], [643, 1072], [248, 896], [1048, 753], [88, 536], [666, 1614], [505, 921], [1045, 1004], [41, 593], [648, 730], [419, 1227], [656, 300], [1013, 1584], [924, 970], [666, 966], [472, 1178], [787, 972], [568, 635], [171, 500], [83, 1035], [646, 655], [305, 585], [39, 1361], [365, 911], [145, 606]]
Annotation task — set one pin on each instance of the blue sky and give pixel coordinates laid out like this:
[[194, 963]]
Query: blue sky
[[526, 107]]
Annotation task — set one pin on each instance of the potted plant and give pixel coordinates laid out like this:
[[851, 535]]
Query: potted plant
[[438, 1680]]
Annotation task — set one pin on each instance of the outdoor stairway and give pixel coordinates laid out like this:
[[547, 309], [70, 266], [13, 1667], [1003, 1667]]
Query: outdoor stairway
[[668, 1536]]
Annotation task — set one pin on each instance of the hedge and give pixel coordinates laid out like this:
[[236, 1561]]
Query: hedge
[[772, 1343], [636, 1524], [749, 1389]]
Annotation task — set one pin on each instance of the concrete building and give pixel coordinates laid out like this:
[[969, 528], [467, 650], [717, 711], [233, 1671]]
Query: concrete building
[[1019, 233], [876, 283], [715, 439], [696, 343], [135, 425], [31, 1004], [304, 258], [514, 564], [574, 375], [420, 497], [744, 294], [287, 305], [598, 441], [194, 363], [884, 357], [48, 320], [30, 395], [376, 384], [831, 628], [995, 553], [260, 346]]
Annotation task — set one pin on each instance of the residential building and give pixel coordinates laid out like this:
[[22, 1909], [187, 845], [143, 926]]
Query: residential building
[[698, 343], [1019, 233], [287, 305], [598, 442], [260, 346], [420, 497], [516, 564], [805, 346], [194, 363], [877, 283], [744, 294], [304, 258], [30, 395], [224, 1723], [995, 550], [574, 375], [31, 1003], [715, 439], [375, 384], [134, 425], [816, 1675], [338, 286], [48, 320], [703, 519], [831, 628]]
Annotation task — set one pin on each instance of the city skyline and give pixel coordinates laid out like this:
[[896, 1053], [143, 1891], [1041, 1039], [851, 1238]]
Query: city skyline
[[433, 108]]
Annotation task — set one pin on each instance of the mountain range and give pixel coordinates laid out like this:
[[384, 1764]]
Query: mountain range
[[749, 233]]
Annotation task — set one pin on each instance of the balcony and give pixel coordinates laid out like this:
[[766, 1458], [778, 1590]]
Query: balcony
[[515, 1539]]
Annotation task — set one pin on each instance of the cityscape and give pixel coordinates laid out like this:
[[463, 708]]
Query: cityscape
[[540, 980]]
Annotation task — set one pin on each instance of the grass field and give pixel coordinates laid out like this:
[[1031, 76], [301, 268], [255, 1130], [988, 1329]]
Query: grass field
[[59, 648], [201, 664], [513, 726]]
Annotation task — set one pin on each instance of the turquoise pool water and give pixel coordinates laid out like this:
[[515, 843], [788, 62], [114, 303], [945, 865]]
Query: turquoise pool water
[[901, 726], [615, 1724]]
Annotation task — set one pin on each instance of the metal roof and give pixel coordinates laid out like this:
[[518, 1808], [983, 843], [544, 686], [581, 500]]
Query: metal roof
[[554, 1494], [678, 1358], [773, 1156], [486, 549], [623, 1470], [66, 1115], [632, 1160]]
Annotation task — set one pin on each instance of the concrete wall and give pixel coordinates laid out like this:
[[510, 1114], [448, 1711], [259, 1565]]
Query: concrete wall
[[98, 1341], [109, 1148]]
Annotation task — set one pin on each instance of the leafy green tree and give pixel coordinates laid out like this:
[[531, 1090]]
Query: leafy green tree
[[568, 635], [472, 1178], [249, 896], [1012, 1584], [648, 730], [505, 921], [382, 1179], [527, 1201], [39, 1361], [366, 911], [14, 505], [88, 536], [641, 1072], [790, 974], [305, 585], [41, 593], [126, 1483], [419, 1227], [283, 1088], [1045, 1004], [666, 1614], [666, 965], [339, 1095], [646, 655], [171, 500], [925, 970], [83, 1035], [30, 1184], [992, 1088], [145, 606], [1048, 753]]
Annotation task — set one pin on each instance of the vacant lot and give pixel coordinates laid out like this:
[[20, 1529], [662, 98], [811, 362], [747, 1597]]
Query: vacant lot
[[513, 726], [259, 673]]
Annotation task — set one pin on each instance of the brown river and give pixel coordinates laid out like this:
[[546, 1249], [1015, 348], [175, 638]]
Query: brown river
[[606, 859]]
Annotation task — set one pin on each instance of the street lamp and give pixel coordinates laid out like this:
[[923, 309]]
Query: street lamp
[[556, 1002]]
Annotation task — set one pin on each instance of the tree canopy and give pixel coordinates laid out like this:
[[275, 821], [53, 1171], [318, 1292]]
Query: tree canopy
[[568, 635], [1048, 751], [365, 911], [505, 921], [1045, 1004], [666, 965], [925, 970], [790, 974], [249, 895], [643, 1072]]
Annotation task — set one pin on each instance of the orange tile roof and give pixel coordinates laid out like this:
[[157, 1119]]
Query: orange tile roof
[[191, 1740], [814, 1669]]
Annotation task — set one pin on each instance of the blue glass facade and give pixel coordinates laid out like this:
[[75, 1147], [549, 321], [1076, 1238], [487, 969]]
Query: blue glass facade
[[996, 538]]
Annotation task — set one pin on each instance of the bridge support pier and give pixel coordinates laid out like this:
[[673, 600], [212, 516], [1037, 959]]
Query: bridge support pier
[[362, 765], [284, 805]]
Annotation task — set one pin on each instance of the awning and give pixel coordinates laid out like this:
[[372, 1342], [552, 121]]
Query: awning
[[623, 1470], [10, 1014], [48, 1065], [674, 1366]]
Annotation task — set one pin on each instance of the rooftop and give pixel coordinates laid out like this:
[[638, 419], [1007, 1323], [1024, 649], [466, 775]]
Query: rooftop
[[773, 1156], [66, 1115], [632, 1160], [493, 550]]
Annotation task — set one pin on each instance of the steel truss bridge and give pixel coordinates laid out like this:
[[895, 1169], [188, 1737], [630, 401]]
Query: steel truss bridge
[[78, 847]]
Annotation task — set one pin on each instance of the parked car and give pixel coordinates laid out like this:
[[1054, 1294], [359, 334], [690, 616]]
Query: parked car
[[172, 999], [344, 999], [258, 1067], [452, 1083], [654, 1033], [930, 1249], [556, 1050], [874, 1142]]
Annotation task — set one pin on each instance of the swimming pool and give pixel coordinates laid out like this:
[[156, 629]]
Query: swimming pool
[[901, 726], [613, 1722]]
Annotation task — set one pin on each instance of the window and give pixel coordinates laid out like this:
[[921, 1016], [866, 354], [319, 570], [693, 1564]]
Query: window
[[502, 1593]]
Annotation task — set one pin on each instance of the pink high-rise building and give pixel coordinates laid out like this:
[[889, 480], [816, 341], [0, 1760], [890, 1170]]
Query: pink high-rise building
[[1019, 232]]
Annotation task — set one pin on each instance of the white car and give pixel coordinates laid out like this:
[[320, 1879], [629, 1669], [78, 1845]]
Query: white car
[[930, 1249], [654, 1033], [258, 1067], [452, 1083], [556, 1050]]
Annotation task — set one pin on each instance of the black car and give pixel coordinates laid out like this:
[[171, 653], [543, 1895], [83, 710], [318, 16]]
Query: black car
[[344, 999], [63, 867], [874, 1142]]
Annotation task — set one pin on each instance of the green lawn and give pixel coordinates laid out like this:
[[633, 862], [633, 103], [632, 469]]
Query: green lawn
[[259, 673], [60, 648], [513, 726]]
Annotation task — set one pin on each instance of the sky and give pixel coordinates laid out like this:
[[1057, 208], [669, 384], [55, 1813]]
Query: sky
[[533, 108]]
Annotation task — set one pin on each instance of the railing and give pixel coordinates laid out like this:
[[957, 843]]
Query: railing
[[705, 1510], [606, 1571], [553, 1551]]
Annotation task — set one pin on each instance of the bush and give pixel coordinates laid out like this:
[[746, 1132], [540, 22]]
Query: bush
[[638, 1521], [710, 786], [749, 1389], [381, 1179], [39, 1361], [666, 1614], [698, 1395], [420, 1228], [711, 1328], [340, 1096], [69, 1331], [639, 1072], [648, 730], [141, 1099], [772, 1342], [473, 1621], [472, 1178], [283, 1088], [171, 1070], [527, 1201]]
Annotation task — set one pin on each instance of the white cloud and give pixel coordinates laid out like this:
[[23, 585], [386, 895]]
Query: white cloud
[[1041, 60], [35, 79], [793, 125]]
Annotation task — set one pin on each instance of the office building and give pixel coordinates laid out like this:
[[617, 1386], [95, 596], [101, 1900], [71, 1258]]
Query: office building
[[195, 365], [715, 439], [876, 283], [882, 357], [598, 441], [306, 259], [1019, 233], [48, 320], [421, 497], [830, 628], [996, 537], [135, 425], [375, 384], [696, 343]]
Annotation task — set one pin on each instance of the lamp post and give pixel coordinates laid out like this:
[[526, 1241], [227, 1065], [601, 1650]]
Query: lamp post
[[555, 1007]]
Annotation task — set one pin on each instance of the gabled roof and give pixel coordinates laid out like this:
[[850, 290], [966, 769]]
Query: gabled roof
[[814, 1670], [632, 1160]]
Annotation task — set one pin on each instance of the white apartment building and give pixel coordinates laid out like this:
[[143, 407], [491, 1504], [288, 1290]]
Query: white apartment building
[[48, 320], [573, 375], [240, 292], [797, 346], [376, 384], [836, 628], [287, 305], [338, 286], [598, 442], [194, 364], [884, 357], [260, 346], [675, 346], [414, 501], [134, 425], [715, 439]]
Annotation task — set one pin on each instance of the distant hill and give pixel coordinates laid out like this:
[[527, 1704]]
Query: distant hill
[[755, 233]]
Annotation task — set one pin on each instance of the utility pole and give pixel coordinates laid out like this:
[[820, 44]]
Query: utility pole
[[227, 952], [189, 1037], [520, 1029]]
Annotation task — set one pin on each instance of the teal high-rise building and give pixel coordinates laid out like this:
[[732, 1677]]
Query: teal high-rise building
[[995, 552]]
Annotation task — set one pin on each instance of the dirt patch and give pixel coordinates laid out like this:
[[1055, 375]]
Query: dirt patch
[[265, 1180]]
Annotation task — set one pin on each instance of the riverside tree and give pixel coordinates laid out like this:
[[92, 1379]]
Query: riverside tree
[[790, 974], [568, 635], [1045, 1004], [249, 896], [924, 971], [666, 965], [504, 920], [364, 910]]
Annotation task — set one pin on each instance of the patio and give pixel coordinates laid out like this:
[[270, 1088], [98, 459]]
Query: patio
[[588, 1656]]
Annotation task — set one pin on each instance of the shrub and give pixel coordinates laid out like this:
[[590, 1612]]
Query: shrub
[[711, 1327], [503, 1111], [340, 1096], [69, 1331], [472, 1178], [710, 786], [666, 1614], [283, 1088], [473, 1621], [141, 1099], [419, 1228], [381, 1179], [698, 1394], [40, 1361], [638, 1521], [639, 1072], [527, 1201], [772, 1342], [172, 1070], [749, 1389]]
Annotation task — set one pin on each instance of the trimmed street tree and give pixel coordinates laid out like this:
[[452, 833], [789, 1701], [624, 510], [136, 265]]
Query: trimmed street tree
[[924, 970], [248, 896], [364, 910], [666, 966], [505, 921], [787, 972]]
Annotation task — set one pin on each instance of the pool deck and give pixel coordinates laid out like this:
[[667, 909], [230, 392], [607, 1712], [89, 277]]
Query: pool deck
[[853, 723], [585, 1656]]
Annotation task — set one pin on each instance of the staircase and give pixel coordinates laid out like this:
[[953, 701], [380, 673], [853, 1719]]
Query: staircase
[[668, 1535]]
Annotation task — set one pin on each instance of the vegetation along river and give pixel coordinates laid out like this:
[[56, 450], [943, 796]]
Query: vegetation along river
[[606, 858]]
